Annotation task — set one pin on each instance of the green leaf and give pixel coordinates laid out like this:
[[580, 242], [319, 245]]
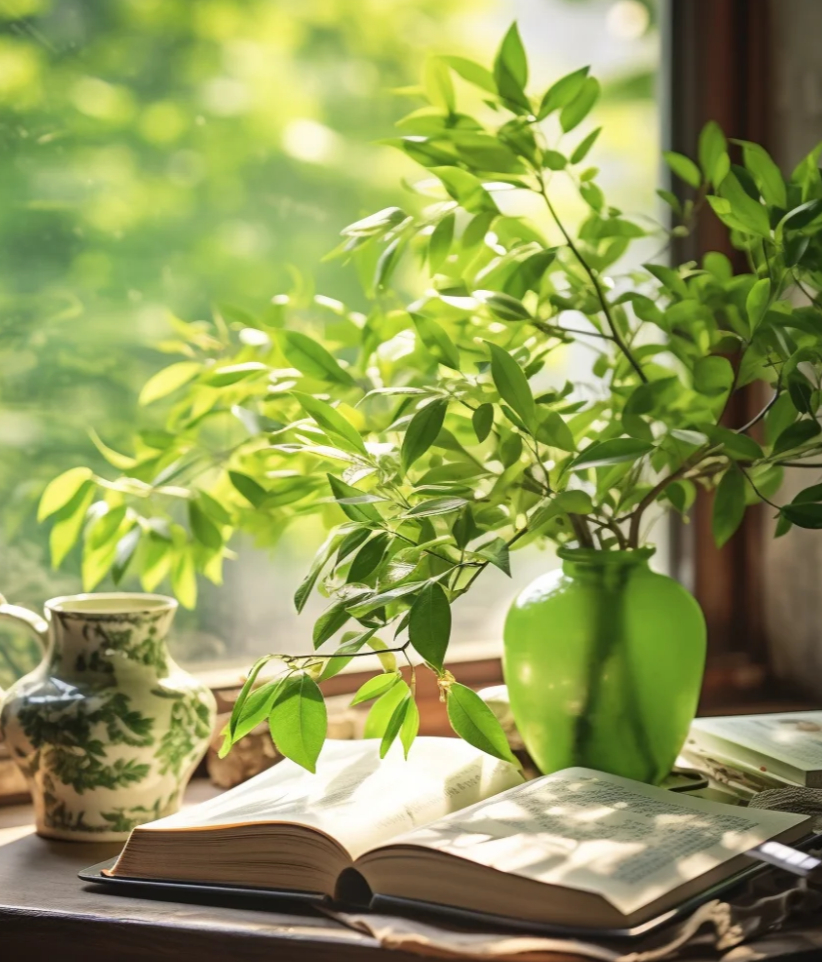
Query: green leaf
[[554, 160], [299, 721], [61, 490], [245, 691], [69, 524], [122, 461], [467, 189], [232, 373], [376, 686], [483, 421], [472, 72], [437, 341], [256, 710], [394, 726], [796, 435], [474, 722], [528, 274], [183, 576], [422, 431], [436, 506], [766, 174], [438, 86], [312, 359], [582, 148], [738, 446], [362, 513], [429, 625], [713, 375], [729, 505], [248, 488], [439, 243], [321, 558], [512, 384], [803, 515], [555, 432], [168, 380], [562, 92], [712, 148], [369, 557], [511, 68], [203, 528], [615, 451], [213, 507], [410, 726], [331, 620], [498, 554], [683, 167], [383, 598], [750, 214], [383, 709], [340, 430], [342, 656], [503, 306], [804, 215], [579, 108], [756, 303]]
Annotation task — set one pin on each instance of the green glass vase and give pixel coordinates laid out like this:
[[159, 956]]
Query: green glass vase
[[603, 661]]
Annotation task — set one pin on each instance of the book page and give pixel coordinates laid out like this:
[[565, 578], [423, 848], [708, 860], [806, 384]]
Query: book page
[[583, 829], [355, 797], [792, 737]]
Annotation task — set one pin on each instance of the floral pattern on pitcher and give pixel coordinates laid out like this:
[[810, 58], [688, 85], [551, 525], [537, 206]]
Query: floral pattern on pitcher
[[107, 729]]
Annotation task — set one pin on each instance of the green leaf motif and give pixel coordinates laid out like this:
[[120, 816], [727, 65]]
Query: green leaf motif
[[69, 523], [429, 625], [503, 306], [729, 505], [796, 435], [474, 722], [436, 506], [512, 384], [299, 721], [803, 515], [472, 72], [369, 557], [581, 150], [395, 724], [497, 552], [422, 431], [712, 148]]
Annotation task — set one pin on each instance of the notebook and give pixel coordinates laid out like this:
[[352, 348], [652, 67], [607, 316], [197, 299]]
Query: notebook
[[454, 828], [780, 748]]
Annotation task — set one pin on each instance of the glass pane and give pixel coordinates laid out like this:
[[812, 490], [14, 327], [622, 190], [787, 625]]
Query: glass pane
[[166, 159]]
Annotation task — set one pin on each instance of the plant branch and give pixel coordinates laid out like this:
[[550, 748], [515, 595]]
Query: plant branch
[[756, 490], [757, 418], [606, 307]]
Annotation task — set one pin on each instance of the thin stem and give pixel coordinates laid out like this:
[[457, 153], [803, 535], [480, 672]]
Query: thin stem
[[354, 654], [757, 418], [554, 329], [756, 490], [798, 464], [606, 307]]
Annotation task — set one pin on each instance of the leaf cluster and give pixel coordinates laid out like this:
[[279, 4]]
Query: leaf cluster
[[432, 432]]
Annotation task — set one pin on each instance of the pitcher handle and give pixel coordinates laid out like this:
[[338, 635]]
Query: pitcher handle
[[37, 626]]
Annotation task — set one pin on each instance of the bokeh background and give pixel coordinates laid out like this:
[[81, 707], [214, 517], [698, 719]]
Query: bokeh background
[[165, 157]]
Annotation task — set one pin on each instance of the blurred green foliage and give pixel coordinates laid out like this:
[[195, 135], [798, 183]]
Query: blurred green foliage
[[164, 157]]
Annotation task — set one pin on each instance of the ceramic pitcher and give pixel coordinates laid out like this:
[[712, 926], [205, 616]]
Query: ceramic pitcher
[[107, 729]]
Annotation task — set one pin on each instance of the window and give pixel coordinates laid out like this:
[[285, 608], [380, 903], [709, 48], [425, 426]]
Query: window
[[167, 159]]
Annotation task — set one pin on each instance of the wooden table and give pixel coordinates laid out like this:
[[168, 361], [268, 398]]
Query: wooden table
[[46, 912]]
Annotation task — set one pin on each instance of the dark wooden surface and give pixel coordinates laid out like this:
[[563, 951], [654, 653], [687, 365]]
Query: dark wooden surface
[[47, 912]]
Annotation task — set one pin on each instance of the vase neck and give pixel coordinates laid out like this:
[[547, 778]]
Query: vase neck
[[100, 645], [606, 568]]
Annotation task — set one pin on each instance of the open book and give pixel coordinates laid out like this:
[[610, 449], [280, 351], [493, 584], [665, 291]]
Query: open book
[[780, 748], [578, 847]]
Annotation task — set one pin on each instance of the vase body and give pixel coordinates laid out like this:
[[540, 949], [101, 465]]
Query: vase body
[[107, 729], [604, 661]]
